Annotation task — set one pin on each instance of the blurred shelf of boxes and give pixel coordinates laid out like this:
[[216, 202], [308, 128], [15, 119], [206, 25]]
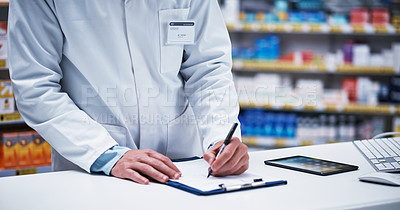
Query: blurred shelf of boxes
[[315, 71], [23, 152], [315, 28], [285, 66], [4, 3], [382, 109]]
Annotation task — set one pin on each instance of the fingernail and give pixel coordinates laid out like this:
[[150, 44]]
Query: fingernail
[[165, 178], [177, 175]]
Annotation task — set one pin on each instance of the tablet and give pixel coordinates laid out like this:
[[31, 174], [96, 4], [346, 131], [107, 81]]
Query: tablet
[[311, 165]]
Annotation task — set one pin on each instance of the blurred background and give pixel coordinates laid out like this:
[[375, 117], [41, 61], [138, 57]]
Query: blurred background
[[306, 71], [315, 71]]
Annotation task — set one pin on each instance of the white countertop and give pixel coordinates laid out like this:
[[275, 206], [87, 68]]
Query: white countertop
[[79, 190]]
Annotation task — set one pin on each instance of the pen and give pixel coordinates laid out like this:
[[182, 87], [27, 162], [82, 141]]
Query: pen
[[226, 142]]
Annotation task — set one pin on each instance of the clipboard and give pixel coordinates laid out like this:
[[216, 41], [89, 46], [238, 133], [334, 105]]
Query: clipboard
[[194, 180], [225, 189]]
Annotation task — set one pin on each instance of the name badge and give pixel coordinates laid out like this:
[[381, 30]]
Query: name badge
[[180, 32]]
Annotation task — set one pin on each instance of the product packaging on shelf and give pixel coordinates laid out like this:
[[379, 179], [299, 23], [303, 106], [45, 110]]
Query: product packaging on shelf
[[256, 122], [361, 55], [396, 21], [348, 52], [367, 91], [371, 127], [396, 56], [394, 90], [359, 16], [7, 103], [267, 48], [310, 91], [3, 44], [263, 89], [38, 150], [303, 129], [335, 97], [230, 10], [47, 153], [396, 124], [380, 16], [338, 19], [9, 147], [21, 150], [24, 149], [352, 56]]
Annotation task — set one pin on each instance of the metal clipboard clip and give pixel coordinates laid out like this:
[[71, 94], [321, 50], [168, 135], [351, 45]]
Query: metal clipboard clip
[[255, 183]]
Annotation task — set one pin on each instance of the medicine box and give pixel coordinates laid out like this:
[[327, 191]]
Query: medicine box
[[3, 44], [24, 149], [38, 149], [47, 153], [7, 102], [9, 148]]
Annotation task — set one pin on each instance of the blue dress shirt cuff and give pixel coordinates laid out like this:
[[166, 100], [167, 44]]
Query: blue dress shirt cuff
[[108, 159]]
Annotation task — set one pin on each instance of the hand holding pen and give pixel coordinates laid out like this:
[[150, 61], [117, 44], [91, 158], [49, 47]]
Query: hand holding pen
[[228, 157]]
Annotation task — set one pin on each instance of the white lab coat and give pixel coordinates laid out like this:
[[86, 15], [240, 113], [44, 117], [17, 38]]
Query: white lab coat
[[91, 74]]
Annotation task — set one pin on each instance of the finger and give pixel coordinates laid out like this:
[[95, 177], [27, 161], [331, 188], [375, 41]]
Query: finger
[[231, 148], [135, 176], [126, 173], [235, 171], [165, 160], [209, 157], [233, 163], [239, 158], [211, 153], [163, 168], [216, 146], [148, 170], [244, 167], [225, 155]]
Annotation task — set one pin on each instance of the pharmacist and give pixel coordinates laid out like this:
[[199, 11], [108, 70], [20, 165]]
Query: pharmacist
[[123, 86]]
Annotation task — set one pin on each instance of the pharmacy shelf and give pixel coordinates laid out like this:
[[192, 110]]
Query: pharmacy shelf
[[279, 66], [270, 142], [4, 3], [378, 70], [366, 29], [24, 171], [12, 122], [383, 109], [12, 118]]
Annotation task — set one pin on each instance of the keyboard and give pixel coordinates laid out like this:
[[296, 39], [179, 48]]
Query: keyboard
[[383, 153]]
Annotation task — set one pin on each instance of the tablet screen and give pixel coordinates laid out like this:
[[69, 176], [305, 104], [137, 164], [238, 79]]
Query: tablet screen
[[311, 165]]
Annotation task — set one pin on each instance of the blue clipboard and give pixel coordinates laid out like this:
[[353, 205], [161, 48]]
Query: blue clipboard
[[225, 189], [257, 183]]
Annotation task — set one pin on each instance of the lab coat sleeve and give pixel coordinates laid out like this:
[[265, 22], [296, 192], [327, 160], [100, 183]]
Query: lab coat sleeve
[[206, 69], [108, 159], [35, 51]]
